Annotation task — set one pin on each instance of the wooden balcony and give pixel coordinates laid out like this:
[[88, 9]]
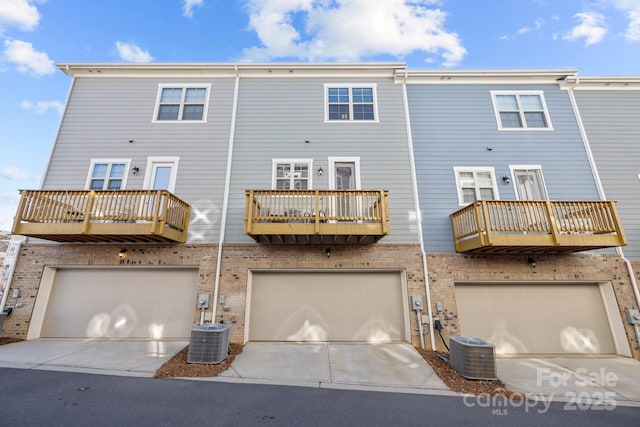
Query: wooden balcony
[[508, 226], [102, 216], [316, 216]]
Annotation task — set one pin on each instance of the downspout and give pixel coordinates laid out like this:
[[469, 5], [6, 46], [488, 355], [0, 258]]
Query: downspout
[[225, 203], [599, 186], [414, 181]]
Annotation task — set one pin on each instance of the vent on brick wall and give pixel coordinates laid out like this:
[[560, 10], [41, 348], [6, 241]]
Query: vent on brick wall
[[473, 358]]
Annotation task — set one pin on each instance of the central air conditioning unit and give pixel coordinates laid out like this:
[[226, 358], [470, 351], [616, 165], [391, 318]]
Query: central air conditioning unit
[[209, 343], [473, 358]]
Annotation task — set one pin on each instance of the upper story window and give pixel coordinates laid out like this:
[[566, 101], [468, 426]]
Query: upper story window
[[475, 183], [291, 174], [182, 103], [521, 110], [348, 103], [107, 174]]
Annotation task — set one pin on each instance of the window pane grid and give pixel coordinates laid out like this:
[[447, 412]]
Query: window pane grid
[[521, 111], [107, 176], [356, 103], [476, 185], [182, 104], [287, 180]]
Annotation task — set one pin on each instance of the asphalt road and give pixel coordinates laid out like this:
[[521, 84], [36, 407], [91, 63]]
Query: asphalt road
[[46, 398]]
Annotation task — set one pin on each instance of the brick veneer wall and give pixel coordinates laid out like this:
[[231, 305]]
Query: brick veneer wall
[[446, 269], [237, 261], [33, 258]]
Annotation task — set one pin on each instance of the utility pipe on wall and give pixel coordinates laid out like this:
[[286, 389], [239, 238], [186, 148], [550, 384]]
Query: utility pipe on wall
[[414, 180], [225, 203]]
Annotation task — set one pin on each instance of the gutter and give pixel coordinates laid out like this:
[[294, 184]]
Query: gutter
[[414, 182], [599, 186], [225, 203]]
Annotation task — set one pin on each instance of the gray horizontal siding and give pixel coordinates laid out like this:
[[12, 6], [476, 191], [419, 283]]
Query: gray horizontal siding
[[612, 122], [103, 114], [452, 125], [276, 115]]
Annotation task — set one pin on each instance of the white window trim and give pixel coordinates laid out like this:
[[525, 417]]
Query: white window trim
[[183, 86], [332, 167], [521, 92], [274, 163], [152, 161], [351, 85], [513, 168], [127, 164], [490, 169]]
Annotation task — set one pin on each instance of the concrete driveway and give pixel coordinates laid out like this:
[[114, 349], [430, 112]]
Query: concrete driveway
[[578, 381], [397, 367], [358, 366], [109, 357]]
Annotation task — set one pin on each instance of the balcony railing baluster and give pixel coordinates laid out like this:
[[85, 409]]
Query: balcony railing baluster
[[120, 215], [520, 226]]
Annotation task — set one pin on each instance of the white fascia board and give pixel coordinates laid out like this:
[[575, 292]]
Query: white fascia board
[[374, 69], [602, 83], [483, 76]]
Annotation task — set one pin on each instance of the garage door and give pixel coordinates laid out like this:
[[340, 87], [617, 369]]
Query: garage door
[[536, 318], [122, 303], [319, 306]]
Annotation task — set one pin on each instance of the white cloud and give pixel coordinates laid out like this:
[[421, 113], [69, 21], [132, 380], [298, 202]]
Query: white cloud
[[349, 30], [538, 24], [131, 52], [13, 173], [187, 8], [632, 9], [27, 59], [591, 28], [18, 13], [42, 107]]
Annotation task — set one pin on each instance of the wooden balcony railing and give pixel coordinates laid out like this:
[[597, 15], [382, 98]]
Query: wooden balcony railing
[[102, 216], [537, 226], [316, 216]]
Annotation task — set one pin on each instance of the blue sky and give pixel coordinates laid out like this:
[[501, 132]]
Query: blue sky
[[596, 37]]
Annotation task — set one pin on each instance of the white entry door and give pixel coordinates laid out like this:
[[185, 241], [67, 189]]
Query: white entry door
[[161, 173], [529, 184]]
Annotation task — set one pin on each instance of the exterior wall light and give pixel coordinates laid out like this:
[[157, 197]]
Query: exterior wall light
[[506, 180], [320, 172], [123, 253]]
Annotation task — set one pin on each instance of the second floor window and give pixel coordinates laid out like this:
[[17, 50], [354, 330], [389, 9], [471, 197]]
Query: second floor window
[[521, 110], [350, 103], [182, 103], [291, 175], [107, 175], [475, 184]]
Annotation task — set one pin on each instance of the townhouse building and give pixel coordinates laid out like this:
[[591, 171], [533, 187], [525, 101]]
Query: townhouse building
[[323, 202], [257, 195], [521, 247]]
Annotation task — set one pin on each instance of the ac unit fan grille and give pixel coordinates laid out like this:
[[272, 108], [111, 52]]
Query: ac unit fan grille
[[473, 358], [209, 343]]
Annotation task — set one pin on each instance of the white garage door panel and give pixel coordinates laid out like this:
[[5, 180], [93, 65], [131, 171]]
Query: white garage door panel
[[123, 303], [327, 307], [536, 318]]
